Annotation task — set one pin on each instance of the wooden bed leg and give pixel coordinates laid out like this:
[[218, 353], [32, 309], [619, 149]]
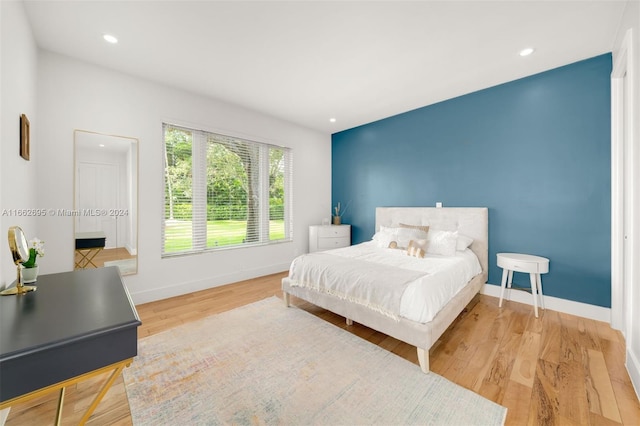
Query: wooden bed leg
[[287, 299], [423, 359], [349, 321]]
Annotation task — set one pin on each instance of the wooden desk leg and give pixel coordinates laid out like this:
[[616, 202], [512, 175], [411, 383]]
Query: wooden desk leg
[[103, 391], [60, 404]]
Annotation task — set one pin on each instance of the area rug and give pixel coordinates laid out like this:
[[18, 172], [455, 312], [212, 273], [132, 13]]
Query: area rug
[[127, 266], [264, 363]]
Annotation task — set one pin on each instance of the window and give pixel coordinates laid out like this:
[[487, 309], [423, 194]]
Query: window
[[222, 191]]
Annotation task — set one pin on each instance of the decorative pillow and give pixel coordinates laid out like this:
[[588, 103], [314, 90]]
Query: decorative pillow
[[407, 234], [442, 242], [463, 242], [424, 228], [401, 236], [416, 248]]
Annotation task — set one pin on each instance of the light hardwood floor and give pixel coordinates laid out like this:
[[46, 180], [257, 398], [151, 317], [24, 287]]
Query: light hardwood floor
[[556, 370], [106, 255]]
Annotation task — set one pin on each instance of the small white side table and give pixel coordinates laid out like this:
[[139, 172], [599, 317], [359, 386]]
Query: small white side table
[[529, 264]]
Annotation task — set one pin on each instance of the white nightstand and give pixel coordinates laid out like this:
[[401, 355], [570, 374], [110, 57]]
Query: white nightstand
[[325, 237], [529, 264]]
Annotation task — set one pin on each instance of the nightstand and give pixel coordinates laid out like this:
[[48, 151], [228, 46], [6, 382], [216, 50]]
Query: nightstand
[[326, 237], [528, 264]]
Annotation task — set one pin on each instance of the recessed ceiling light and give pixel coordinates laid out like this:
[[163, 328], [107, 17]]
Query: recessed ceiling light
[[333, 120], [526, 52], [101, 145], [111, 39]]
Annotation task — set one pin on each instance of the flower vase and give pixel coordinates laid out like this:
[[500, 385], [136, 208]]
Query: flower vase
[[336, 220], [29, 275]]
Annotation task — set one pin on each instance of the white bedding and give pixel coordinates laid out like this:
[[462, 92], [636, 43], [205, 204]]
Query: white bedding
[[390, 282]]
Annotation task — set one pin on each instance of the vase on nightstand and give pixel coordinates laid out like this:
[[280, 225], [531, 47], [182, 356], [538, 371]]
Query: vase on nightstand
[[336, 220]]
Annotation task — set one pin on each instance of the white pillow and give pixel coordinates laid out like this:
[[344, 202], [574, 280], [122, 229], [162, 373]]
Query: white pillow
[[401, 236], [385, 236], [405, 235], [442, 242], [463, 242]]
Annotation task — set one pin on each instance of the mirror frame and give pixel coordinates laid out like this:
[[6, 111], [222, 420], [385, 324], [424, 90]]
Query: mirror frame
[[17, 245], [136, 199]]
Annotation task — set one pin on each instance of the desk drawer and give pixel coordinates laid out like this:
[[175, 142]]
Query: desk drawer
[[518, 265], [526, 267]]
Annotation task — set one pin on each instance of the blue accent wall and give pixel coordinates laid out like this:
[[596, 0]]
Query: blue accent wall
[[535, 151]]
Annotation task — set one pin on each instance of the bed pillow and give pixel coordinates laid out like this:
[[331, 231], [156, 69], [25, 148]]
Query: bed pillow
[[442, 242], [463, 242], [424, 228], [385, 230], [401, 236], [417, 248], [385, 236], [405, 235]]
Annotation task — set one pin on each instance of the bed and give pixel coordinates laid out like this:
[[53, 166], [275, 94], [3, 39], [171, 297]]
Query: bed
[[418, 330]]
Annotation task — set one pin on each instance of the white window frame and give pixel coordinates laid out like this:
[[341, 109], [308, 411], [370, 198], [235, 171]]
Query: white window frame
[[199, 193]]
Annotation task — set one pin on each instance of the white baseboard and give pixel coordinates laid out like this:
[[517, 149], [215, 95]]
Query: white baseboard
[[131, 250], [585, 310], [203, 284], [633, 367], [561, 305]]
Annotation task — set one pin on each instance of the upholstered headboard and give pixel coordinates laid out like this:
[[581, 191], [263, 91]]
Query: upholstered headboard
[[470, 221]]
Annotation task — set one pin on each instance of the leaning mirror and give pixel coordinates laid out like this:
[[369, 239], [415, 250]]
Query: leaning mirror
[[105, 201]]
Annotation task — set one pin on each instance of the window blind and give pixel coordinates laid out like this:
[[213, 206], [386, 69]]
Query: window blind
[[222, 191]]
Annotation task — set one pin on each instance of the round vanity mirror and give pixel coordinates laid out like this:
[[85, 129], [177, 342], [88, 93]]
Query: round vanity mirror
[[20, 252], [18, 245]]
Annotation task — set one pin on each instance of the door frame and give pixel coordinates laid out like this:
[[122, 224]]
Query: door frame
[[625, 184]]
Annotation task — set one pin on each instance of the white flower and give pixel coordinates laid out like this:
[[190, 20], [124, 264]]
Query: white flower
[[38, 245]]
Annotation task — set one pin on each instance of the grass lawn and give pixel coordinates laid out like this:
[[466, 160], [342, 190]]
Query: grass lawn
[[219, 233]]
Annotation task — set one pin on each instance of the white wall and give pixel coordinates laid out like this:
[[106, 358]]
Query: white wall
[[18, 82], [18, 180], [631, 327], [75, 95]]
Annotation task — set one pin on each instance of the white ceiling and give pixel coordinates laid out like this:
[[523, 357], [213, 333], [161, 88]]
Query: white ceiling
[[307, 61]]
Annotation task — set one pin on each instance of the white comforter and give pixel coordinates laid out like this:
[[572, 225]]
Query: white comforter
[[387, 280]]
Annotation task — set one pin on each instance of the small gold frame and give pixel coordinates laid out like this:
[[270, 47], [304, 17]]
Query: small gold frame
[[25, 138]]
